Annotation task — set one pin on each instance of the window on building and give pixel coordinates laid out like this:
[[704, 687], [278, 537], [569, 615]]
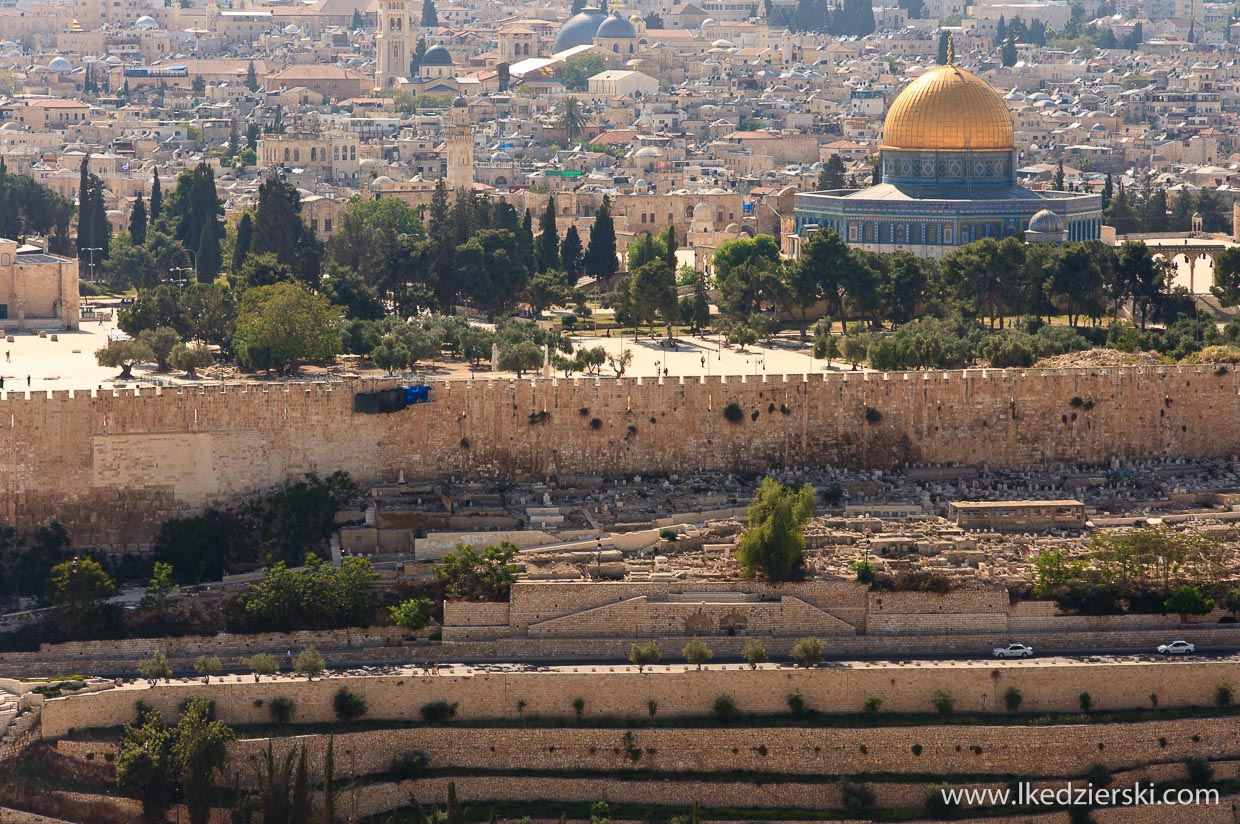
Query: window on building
[[327, 224]]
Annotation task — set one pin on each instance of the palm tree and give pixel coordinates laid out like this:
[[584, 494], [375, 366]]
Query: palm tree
[[573, 119]]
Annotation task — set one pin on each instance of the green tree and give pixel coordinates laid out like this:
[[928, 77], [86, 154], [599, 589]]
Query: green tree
[[241, 244], [808, 652], [251, 77], [468, 576], [161, 341], [279, 230], [208, 665], [157, 197], [652, 293], [575, 72], [207, 262], [160, 593], [600, 258], [643, 655], [155, 667], [282, 324], [549, 239], [144, 765], [774, 541], [80, 589], [124, 355], [1007, 52], [546, 289], [129, 265], [1188, 600], [189, 359], [200, 752], [261, 663], [309, 663], [754, 653], [137, 222], [573, 119], [1232, 600], [411, 614], [832, 175], [430, 17], [1227, 277], [520, 357], [571, 254], [697, 653]]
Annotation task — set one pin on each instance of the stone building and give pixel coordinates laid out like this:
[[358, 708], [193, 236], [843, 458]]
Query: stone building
[[38, 290]]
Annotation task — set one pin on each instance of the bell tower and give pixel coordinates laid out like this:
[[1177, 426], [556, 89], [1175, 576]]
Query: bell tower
[[392, 43], [460, 138]]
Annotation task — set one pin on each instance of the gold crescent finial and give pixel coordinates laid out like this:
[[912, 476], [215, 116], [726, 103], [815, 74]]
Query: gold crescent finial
[[951, 50]]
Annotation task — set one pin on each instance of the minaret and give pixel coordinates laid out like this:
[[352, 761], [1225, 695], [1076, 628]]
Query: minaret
[[460, 147], [392, 43]]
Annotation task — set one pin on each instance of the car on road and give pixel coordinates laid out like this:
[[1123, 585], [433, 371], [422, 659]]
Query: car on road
[[1013, 651], [1177, 648]]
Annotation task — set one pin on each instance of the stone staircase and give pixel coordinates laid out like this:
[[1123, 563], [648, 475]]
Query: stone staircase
[[15, 726]]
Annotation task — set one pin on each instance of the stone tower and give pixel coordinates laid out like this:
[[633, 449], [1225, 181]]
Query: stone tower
[[460, 135], [392, 43]]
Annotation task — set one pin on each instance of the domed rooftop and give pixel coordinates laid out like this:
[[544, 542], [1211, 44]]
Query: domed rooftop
[[59, 64], [579, 29], [460, 102], [1046, 222], [616, 27], [948, 109], [382, 180], [437, 56], [145, 22]]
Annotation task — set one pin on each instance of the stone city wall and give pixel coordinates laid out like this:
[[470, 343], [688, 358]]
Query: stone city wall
[[622, 692], [112, 464]]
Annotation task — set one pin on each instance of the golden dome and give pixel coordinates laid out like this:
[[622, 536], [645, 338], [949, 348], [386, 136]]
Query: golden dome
[[948, 109]]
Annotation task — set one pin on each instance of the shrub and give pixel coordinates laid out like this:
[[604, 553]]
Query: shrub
[[309, 663], [865, 572], [1222, 695], [857, 798], [437, 711], [412, 614], [733, 413], [724, 710], [1012, 699], [579, 707], [668, 534], [1099, 775], [796, 705], [282, 708], [652, 706], [1086, 701], [409, 764], [872, 415], [348, 705], [1198, 770], [754, 653], [262, 663], [872, 705], [696, 652], [944, 703], [808, 652], [938, 805], [643, 655]]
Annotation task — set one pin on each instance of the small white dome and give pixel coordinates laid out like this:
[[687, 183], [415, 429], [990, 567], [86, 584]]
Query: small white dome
[[292, 29], [145, 22], [382, 180], [60, 64]]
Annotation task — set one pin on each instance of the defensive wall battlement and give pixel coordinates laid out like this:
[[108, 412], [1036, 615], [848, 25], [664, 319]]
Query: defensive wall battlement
[[111, 464]]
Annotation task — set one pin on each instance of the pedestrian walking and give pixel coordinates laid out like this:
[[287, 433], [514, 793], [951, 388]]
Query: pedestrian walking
[[7, 359], [27, 380], [703, 361]]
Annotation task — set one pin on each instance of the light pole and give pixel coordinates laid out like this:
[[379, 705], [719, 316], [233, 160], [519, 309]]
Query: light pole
[[180, 270], [92, 250]]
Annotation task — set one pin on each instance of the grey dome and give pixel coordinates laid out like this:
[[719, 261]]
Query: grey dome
[[460, 103], [1046, 222], [579, 29], [437, 56], [617, 27], [60, 64]]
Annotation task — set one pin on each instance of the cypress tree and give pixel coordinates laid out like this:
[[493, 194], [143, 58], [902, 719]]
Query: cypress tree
[[329, 781], [241, 249], [207, 261], [671, 244], [430, 17], [278, 227], [137, 222], [570, 254], [942, 59], [4, 199], [600, 258], [251, 77], [157, 197], [1108, 191], [549, 245], [84, 228]]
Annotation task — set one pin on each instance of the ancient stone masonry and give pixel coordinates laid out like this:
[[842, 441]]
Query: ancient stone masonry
[[110, 465]]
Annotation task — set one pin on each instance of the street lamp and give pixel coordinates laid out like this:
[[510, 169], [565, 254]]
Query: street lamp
[[180, 270], [92, 250]]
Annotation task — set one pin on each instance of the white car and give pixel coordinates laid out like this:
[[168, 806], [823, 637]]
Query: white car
[[1177, 648], [1013, 651]]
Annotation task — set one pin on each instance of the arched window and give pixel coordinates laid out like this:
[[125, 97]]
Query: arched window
[[615, 47], [297, 155], [314, 153], [286, 157], [352, 153]]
